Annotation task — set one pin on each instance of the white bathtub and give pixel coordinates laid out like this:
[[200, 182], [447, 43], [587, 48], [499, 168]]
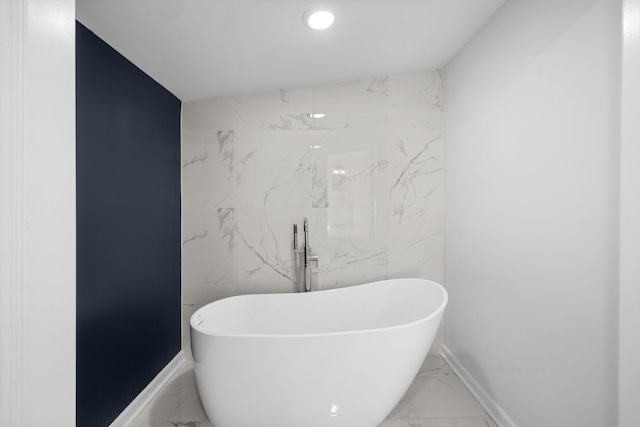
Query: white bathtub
[[339, 358]]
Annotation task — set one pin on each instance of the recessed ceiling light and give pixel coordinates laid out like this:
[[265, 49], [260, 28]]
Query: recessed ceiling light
[[318, 19], [318, 115]]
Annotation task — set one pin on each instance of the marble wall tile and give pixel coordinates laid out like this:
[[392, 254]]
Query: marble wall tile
[[273, 169], [187, 311], [417, 244], [417, 101], [416, 167], [207, 168], [288, 109], [352, 246], [207, 245], [350, 169], [206, 293], [264, 248], [212, 113], [368, 175], [360, 104]]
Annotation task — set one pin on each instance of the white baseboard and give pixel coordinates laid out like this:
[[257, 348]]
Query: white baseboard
[[134, 409], [493, 408]]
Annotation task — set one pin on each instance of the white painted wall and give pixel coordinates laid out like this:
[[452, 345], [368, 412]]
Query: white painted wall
[[629, 353], [531, 211], [37, 213]]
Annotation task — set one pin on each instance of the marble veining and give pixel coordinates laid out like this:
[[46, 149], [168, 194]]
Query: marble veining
[[417, 101], [275, 265], [207, 168], [352, 244], [436, 398], [367, 174], [416, 157], [361, 104], [319, 190], [264, 257], [379, 85], [279, 110], [274, 169], [290, 122], [198, 157], [207, 245]]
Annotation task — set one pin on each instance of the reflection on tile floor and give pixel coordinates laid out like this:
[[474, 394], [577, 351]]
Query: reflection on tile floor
[[436, 398]]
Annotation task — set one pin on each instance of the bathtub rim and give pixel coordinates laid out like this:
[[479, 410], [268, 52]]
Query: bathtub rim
[[437, 312]]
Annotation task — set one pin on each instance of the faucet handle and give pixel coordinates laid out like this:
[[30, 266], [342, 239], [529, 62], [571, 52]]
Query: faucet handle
[[312, 258]]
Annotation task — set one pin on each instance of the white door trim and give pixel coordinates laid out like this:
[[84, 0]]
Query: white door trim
[[11, 215], [37, 212], [629, 312]]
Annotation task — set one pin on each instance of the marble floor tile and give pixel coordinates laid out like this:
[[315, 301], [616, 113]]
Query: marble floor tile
[[400, 422], [434, 364], [403, 410], [204, 423], [436, 398], [177, 402], [443, 395], [457, 422]]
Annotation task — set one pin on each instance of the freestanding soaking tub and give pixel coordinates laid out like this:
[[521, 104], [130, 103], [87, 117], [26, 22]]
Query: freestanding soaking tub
[[339, 358]]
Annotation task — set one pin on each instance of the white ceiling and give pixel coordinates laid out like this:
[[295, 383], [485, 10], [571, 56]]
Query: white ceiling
[[205, 48]]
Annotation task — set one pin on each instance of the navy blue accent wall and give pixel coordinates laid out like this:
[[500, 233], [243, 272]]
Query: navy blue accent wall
[[128, 230]]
